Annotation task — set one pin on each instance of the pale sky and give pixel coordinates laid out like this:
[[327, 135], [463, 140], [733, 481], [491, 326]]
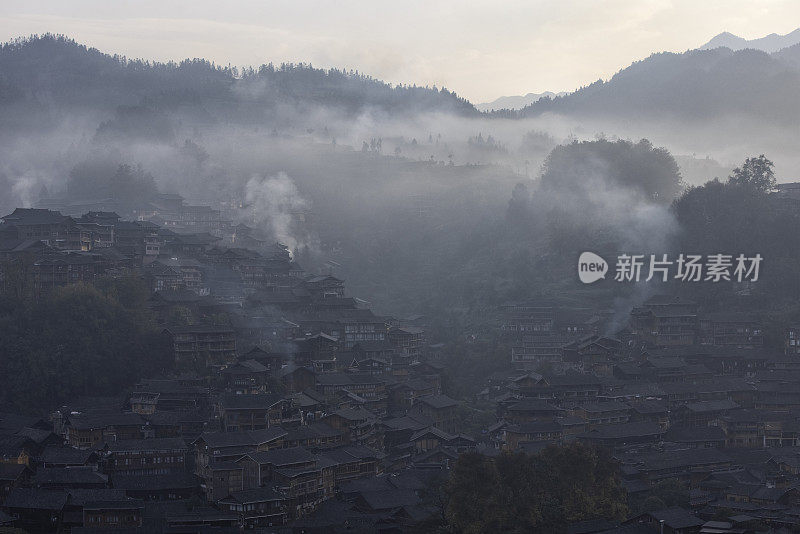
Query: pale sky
[[480, 49]]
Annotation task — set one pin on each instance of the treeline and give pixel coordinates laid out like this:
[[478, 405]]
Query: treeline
[[742, 215], [605, 196], [543, 492], [78, 75], [130, 186], [622, 197], [613, 197], [79, 340], [698, 84], [350, 90]]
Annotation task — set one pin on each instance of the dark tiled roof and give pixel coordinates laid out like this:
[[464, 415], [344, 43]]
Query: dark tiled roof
[[68, 475], [533, 405], [312, 431], [11, 423], [389, 499], [682, 459], [438, 401], [292, 472], [197, 239], [367, 485], [279, 457], [355, 414], [12, 446], [65, 455], [156, 444], [711, 406], [36, 499], [246, 438], [649, 407], [534, 427], [5, 519], [347, 379], [682, 434], [155, 482], [361, 452], [82, 496], [35, 434], [442, 435], [22, 245], [245, 367], [677, 518], [603, 407], [35, 216], [572, 379], [250, 402], [256, 495], [176, 417], [10, 472], [199, 329], [177, 296], [625, 430], [93, 421], [408, 422]]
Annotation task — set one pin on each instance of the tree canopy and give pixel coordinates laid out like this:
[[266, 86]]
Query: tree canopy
[[580, 167], [756, 173], [531, 493], [742, 216], [81, 339]]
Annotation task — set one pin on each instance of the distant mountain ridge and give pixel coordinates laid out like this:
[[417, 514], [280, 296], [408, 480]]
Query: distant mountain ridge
[[516, 101], [42, 75], [52, 72], [695, 85], [789, 55], [769, 43]]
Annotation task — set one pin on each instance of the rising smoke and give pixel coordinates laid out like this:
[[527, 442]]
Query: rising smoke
[[275, 206]]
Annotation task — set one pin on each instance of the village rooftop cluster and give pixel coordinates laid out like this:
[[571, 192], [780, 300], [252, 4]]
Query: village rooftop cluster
[[305, 411]]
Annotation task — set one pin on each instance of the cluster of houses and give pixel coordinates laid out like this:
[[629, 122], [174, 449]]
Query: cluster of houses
[[678, 395], [225, 452], [292, 407]]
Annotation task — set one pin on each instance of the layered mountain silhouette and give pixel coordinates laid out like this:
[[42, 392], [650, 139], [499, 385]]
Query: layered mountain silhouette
[[56, 72], [695, 85], [41, 76], [517, 101], [769, 43]]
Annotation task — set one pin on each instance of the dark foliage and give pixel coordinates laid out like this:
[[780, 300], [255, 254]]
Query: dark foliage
[[741, 216], [756, 173], [530, 493], [78, 340], [699, 84], [639, 168], [77, 75], [96, 179], [667, 493]]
